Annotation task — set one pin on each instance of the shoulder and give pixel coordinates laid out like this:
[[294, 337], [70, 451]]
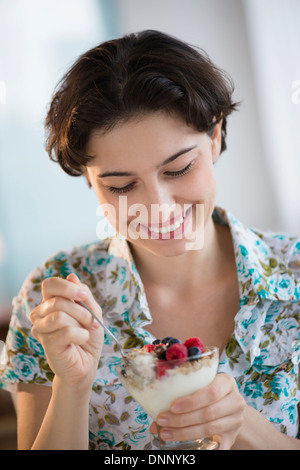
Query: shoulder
[[270, 261], [279, 256], [283, 245], [88, 261]]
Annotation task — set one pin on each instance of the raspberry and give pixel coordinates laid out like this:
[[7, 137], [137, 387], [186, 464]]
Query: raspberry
[[162, 367], [194, 342], [149, 347], [177, 351]]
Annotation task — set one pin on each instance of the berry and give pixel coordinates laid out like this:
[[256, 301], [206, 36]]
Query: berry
[[169, 340], [162, 367], [194, 342], [194, 352], [148, 347], [173, 341], [160, 350], [177, 351], [156, 341], [166, 340]]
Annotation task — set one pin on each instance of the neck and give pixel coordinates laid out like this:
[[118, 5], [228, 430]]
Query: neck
[[186, 270]]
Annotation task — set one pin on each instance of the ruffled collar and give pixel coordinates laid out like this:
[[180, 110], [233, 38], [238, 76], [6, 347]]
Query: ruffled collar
[[265, 261]]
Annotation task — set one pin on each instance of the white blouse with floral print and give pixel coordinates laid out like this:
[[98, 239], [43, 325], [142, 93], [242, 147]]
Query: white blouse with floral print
[[262, 354]]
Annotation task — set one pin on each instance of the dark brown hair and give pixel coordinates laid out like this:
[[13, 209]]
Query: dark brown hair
[[136, 74]]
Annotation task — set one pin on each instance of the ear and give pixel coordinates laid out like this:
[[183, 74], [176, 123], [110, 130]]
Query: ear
[[216, 140]]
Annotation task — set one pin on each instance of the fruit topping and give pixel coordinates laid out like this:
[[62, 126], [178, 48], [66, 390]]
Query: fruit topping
[[166, 340], [173, 349], [194, 342], [162, 367], [194, 352], [160, 350], [177, 351], [156, 341], [149, 347]]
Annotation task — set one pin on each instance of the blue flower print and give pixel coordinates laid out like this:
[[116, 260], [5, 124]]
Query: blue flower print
[[25, 366], [253, 390]]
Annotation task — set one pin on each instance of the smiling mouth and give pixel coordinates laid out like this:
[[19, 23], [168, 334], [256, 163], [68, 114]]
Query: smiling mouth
[[167, 230]]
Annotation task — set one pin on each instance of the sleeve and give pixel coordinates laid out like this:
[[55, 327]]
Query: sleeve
[[23, 358]]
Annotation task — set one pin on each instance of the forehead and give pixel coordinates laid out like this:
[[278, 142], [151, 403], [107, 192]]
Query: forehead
[[150, 138]]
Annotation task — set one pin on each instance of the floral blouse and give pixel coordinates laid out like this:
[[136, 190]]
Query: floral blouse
[[263, 353]]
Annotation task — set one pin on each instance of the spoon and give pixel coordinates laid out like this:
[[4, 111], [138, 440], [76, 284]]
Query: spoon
[[106, 329]]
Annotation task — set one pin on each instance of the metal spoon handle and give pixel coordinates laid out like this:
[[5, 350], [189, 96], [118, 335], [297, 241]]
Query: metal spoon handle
[[103, 326]]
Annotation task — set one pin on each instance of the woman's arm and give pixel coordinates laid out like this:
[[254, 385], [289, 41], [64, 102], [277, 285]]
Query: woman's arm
[[257, 433], [54, 418], [32, 403], [72, 341]]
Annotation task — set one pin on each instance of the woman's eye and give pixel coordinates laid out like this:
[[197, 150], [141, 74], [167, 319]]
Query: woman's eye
[[184, 171], [122, 190], [171, 174]]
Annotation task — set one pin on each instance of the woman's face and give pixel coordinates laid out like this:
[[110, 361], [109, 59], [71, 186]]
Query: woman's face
[[154, 178]]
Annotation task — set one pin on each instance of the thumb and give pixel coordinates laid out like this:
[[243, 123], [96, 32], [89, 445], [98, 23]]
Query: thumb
[[74, 278]]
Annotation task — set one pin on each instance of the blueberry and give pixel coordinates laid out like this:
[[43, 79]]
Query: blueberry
[[193, 351], [160, 351], [170, 340], [166, 340], [162, 355], [173, 341], [156, 341]]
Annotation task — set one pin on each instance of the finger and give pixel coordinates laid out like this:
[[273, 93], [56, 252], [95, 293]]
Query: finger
[[58, 287], [219, 427], [58, 311], [52, 323], [89, 299], [213, 412], [60, 339], [221, 386]]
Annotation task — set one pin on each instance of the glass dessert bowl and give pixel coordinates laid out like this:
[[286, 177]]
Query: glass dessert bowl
[[166, 370]]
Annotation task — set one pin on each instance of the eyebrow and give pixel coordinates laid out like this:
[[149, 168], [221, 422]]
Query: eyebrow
[[129, 173]]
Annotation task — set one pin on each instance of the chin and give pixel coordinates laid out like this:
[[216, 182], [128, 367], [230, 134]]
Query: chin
[[166, 248]]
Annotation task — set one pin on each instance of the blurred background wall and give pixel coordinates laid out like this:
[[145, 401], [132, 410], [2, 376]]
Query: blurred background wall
[[42, 210]]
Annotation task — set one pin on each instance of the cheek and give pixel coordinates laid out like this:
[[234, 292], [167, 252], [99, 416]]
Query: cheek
[[115, 210], [106, 206], [202, 184]]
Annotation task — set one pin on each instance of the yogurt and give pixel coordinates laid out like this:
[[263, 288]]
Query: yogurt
[[155, 390]]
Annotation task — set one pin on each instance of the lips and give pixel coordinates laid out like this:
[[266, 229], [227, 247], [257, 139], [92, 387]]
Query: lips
[[176, 226], [167, 228]]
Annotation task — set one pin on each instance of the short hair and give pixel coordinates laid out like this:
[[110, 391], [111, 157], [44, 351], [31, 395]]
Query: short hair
[[140, 73]]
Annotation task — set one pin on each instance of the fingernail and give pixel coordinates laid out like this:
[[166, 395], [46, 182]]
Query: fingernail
[[81, 294], [166, 434], [162, 421], [176, 407], [95, 324]]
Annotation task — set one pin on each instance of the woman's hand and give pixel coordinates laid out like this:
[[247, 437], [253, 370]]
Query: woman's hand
[[216, 410], [71, 338]]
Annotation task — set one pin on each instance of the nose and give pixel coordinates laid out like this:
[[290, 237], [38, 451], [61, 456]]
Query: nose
[[160, 203]]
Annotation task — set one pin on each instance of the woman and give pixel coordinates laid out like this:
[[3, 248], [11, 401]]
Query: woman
[[144, 119]]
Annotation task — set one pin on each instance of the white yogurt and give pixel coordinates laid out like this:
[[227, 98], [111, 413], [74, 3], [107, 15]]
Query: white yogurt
[[157, 396]]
